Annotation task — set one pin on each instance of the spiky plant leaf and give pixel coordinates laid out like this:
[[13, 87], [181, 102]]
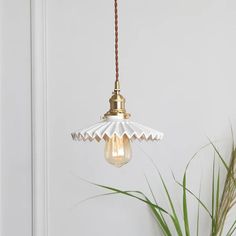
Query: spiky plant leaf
[[185, 207]]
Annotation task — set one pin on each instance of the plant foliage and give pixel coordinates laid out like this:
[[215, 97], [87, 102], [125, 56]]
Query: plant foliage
[[221, 204]]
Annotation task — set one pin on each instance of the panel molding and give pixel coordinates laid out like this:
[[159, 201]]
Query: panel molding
[[39, 117]]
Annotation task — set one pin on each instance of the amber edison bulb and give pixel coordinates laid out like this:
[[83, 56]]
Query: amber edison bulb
[[118, 150]]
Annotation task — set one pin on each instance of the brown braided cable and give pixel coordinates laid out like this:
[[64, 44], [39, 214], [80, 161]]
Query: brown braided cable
[[116, 40]]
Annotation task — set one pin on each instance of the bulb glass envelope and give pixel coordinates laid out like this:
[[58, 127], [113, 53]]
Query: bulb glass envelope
[[119, 126]]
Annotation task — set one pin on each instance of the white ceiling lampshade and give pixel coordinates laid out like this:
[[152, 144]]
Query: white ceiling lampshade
[[120, 127], [116, 129]]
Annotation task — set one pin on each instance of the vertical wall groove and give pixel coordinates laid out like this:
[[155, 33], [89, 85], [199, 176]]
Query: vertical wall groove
[[39, 117]]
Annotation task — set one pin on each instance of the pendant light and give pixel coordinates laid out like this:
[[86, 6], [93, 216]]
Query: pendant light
[[116, 128]]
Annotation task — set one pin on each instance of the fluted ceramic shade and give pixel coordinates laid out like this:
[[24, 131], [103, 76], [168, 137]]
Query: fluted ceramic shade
[[117, 126]]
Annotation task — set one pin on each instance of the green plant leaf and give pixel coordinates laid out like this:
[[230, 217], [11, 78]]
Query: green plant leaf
[[185, 207], [91, 198], [219, 155], [152, 206], [167, 230], [163, 225], [198, 211], [174, 217], [232, 135], [232, 229], [193, 195], [213, 199], [128, 193], [217, 198]]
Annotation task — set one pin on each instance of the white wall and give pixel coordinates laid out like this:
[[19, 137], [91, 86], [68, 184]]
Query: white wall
[[177, 71], [16, 217]]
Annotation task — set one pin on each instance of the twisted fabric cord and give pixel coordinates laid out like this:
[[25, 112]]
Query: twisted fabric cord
[[116, 41]]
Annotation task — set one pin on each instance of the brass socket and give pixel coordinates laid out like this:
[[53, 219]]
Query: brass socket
[[117, 104]]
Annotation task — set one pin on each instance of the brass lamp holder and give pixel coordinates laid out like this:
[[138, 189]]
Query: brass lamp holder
[[117, 104]]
